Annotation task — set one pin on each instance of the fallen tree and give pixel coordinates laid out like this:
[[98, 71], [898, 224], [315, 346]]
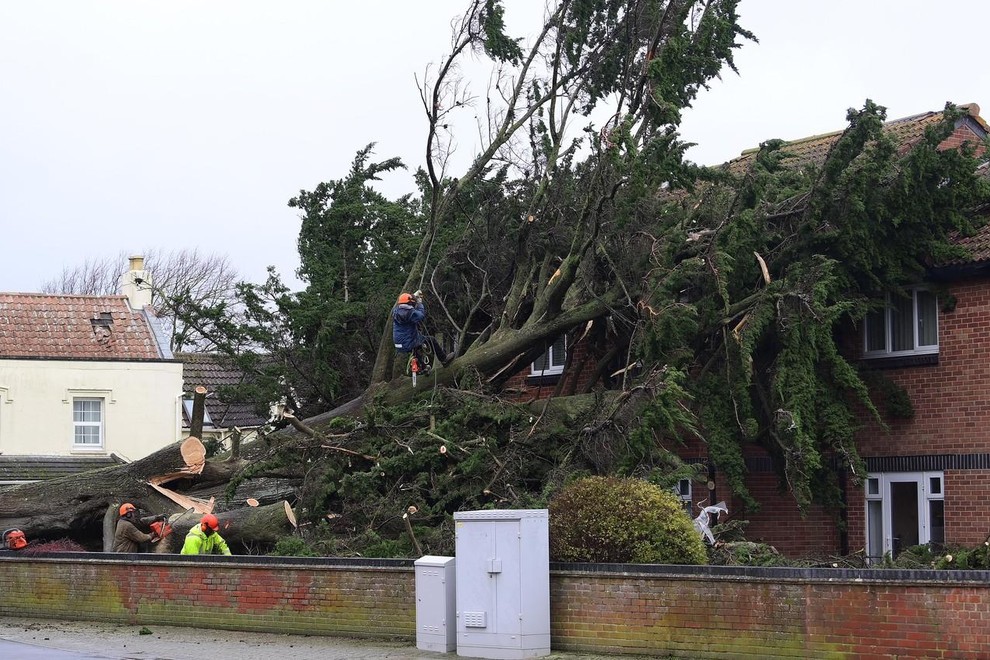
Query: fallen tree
[[246, 526], [75, 505]]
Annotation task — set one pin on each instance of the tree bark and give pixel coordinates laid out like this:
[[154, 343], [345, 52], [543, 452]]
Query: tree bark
[[75, 505], [198, 412], [246, 527]]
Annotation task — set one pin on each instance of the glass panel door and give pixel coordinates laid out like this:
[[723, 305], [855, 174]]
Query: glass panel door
[[905, 516]]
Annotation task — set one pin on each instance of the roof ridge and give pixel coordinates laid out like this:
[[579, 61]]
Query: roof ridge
[[114, 296]]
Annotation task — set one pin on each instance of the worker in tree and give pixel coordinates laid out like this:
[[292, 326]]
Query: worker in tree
[[407, 314], [128, 536], [205, 539]]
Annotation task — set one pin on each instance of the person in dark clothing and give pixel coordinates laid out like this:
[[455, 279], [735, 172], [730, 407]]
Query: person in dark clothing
[[407, 314], [128, 536]]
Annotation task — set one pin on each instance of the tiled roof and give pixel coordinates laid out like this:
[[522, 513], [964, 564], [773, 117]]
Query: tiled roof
[[38, 468], [73, 327], [213, 372], [907, 131]]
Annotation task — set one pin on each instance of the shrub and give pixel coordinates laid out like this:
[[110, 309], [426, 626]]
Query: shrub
[[613, 520], [293, 546]]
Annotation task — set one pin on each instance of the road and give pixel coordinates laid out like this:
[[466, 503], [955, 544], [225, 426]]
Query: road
[[40, 639]]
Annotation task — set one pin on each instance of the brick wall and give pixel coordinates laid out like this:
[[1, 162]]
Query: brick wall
[[373, 597], [716, 612], [684, 611], [524, 387]]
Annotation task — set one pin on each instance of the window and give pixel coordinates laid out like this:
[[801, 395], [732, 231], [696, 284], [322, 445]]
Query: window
[[87, 423], [552, 361], [905, 326], [187, 406], [903, 509], [683, 491]]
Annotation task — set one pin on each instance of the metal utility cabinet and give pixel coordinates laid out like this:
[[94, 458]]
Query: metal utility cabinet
[[435, 611], [503, 583]]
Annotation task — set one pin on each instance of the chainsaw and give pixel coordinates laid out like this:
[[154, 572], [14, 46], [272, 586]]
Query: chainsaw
[[160, 528]]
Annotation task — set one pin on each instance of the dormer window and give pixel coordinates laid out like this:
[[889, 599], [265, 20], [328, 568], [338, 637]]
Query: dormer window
[[906, 325]]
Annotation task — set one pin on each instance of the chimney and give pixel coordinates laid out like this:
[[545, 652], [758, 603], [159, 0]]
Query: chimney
[[136, 284]]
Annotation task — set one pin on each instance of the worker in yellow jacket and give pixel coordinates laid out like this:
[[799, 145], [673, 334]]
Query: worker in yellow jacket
[[205, 539]]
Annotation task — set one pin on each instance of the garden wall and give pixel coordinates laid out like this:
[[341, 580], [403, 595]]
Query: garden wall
[[697, 611]]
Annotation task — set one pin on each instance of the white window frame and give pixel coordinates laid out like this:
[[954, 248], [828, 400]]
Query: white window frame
[[683, 490], [916, 349], [549, 356], [931, 488], [100, 424]]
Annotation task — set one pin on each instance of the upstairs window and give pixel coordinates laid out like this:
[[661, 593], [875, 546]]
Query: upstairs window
[[87, 423], [905, 326], [552, 360]]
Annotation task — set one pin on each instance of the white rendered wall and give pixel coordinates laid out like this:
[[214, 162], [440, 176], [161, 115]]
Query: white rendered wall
[[141, 410]]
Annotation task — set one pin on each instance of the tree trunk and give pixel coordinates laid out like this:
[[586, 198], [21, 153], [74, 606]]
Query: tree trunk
[[198, 412], [75, 505], [246, 527]]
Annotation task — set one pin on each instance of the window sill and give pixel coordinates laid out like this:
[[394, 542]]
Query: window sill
[[88, 450], [900, 361]]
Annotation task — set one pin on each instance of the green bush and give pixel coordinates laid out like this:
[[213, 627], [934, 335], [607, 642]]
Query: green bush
[[293, 546], [613, 520]]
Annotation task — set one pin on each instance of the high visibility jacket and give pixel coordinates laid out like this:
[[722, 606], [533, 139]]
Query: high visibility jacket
[[199, 543], [405, 333]]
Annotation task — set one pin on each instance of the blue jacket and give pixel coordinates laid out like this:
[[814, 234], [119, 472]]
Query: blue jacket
[[405, 331]]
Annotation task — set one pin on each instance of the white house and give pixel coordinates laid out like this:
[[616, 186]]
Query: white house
[[84, 380]]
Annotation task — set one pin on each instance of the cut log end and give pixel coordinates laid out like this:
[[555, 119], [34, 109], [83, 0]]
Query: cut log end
[[193, 452]]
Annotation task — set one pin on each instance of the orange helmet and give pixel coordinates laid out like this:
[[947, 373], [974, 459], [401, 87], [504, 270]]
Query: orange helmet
[[14, 539], [209, 521], [406, 298], [126, 507]]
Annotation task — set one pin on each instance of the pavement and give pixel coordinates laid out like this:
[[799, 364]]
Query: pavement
[[43, 639]]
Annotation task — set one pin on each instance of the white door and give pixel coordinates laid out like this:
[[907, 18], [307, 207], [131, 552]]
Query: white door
[[903, 509]]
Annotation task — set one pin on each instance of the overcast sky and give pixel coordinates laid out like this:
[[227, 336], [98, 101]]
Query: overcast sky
[[130, 124]]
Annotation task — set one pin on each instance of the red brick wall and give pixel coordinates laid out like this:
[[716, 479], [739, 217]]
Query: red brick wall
[[743, 617], [351, 600], [779, 522], [695, 612], [521, 387], [951, 401], [951, 414]]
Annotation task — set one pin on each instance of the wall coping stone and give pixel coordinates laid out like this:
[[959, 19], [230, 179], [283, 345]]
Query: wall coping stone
[[980, 578]]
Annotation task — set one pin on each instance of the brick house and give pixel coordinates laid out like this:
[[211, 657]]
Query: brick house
[[928, 474], [85, 381]]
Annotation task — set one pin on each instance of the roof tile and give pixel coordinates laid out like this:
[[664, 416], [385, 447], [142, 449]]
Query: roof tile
[[73, 327]]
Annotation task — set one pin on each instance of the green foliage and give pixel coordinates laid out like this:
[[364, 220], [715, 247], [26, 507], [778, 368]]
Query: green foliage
[[292, 546], [605, 519], [746, 553], [764, 357]]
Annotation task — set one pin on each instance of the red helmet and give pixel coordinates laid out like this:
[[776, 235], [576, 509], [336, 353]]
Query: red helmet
[[209, 521], [126, 507], [406, 298], [14, 539]]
